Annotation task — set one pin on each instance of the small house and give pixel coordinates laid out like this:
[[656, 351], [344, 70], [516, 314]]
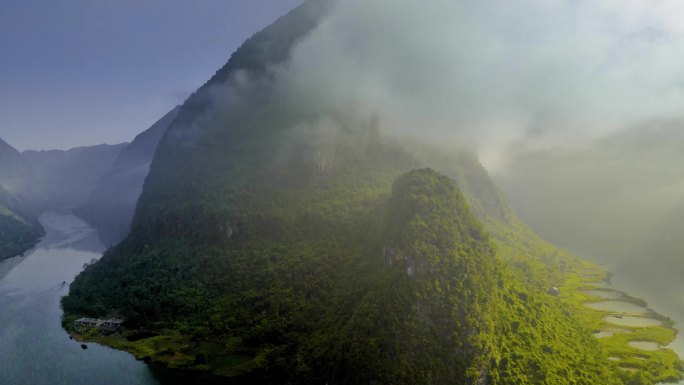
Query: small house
[[106, 324], [110, 324], [87, 322]]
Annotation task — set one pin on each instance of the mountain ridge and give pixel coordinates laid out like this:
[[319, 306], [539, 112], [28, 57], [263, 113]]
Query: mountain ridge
[[111, 203]]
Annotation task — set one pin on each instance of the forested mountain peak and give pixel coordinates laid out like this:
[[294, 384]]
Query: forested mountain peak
[[278, 243]]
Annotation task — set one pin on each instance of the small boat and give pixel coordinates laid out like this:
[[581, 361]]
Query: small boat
[[84, 346]]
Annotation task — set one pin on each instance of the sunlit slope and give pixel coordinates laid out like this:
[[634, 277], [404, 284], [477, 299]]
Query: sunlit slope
[[371, 283], [16, 175]]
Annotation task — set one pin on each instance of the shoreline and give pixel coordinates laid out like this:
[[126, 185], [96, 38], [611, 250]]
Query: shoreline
[[171, 350], [624, 333]]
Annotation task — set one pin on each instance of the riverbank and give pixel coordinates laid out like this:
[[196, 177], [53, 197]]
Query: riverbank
[[33, 345], [169, 349], [634, 336]]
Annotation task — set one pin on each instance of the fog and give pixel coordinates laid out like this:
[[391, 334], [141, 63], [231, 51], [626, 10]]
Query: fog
[[574, 107], [489, 73], [614, 199]]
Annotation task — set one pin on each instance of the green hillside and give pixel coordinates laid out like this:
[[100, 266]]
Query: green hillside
[[19, 231], [272, 254], [16, 234], [397, 285]]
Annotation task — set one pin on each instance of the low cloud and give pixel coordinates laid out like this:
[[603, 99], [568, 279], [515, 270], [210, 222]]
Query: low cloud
[[569, 104], [489, 73]]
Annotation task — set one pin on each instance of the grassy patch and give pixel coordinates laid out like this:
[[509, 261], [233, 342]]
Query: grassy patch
[[661, 365]]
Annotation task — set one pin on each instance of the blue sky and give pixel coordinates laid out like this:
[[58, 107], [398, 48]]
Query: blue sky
[[81, 72]]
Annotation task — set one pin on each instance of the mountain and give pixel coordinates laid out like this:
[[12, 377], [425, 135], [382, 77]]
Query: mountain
[[16, 234], [18, 178], [112, 201], [68, 177], [280, 244], [19, 229]]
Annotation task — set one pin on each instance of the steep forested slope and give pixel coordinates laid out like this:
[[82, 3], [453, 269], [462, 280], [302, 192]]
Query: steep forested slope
[[19, 203], [269, 253], [111, 204], [16, 234]]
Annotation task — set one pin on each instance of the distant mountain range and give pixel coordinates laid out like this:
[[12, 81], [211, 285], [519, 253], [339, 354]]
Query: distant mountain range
[[34, 181], [111, 202], [69, 176]]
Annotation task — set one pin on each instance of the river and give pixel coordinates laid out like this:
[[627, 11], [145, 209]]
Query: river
[[34, 349]]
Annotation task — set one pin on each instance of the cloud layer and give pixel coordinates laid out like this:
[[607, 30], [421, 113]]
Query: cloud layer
[[488, 73]]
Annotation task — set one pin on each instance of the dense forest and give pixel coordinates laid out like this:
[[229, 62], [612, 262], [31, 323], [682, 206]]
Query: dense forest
[[16, 234], [267, 254], [280, 243], [396, 285]]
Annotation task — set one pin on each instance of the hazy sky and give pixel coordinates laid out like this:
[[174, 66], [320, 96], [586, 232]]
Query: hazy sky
[[80, 72]]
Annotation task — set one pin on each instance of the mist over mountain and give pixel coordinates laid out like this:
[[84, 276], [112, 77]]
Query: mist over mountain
[[18, 178], [112, 201], [293, 229], [627, 183], [68, 176], [617, 199], [34, 181], [326, 209]]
